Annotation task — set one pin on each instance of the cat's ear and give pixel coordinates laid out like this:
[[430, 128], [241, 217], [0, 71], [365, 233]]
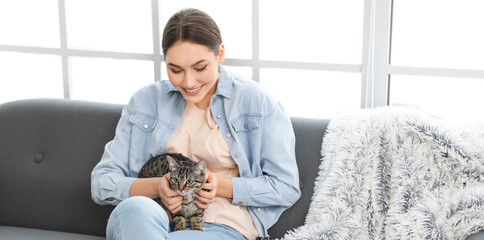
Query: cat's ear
[[200, 167], [173, 164]]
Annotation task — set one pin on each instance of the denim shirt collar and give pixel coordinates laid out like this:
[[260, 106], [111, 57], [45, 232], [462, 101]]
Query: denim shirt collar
[[224, 86]]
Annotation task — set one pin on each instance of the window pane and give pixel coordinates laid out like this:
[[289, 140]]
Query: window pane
[[234, 18], [313, 94], [442, 96], [29, 23], [312, 30], [438, 33], [25, 76], [110, 25], [109, 80], [242, 72], [164, 71]]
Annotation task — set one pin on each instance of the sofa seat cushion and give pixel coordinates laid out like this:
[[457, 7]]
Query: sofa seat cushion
[[13, 233]]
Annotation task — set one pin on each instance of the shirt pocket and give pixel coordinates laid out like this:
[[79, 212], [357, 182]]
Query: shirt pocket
[[248, 132], [144, 142], [144, 123], [247, 123]]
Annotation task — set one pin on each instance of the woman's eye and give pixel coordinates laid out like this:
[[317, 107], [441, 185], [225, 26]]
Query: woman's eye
[[175, 71], [201, 69]]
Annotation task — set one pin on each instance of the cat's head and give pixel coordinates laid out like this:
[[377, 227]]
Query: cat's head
[[186, 178]]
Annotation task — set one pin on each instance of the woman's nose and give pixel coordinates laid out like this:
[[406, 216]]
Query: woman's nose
[[189, 80]]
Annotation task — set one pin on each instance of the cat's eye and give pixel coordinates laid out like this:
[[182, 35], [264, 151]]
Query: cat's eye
[[189, 181]]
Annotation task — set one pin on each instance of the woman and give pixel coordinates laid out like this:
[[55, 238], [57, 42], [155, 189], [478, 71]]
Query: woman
[[203, 112]]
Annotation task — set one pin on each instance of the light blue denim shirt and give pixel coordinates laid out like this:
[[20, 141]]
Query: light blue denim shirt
[[256, 128]]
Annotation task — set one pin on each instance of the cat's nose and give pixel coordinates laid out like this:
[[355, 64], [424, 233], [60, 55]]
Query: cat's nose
[[181, 187]]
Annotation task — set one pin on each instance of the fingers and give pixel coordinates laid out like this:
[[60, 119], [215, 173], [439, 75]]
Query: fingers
[[201, 204], [208, 187], [168, 192], [206, 196], [211, 182], [164, 187], [170, 198], [173, 204]]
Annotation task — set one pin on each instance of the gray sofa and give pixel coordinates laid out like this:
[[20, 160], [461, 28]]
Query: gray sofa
[[49, 147]]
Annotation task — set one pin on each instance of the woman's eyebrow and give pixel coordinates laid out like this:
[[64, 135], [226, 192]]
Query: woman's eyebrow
[[173, 65], [198, 62]]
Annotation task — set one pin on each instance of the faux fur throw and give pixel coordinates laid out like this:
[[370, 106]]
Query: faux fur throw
[[395, 173]]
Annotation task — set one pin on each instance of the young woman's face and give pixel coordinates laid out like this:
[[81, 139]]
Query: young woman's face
[[194, 70]]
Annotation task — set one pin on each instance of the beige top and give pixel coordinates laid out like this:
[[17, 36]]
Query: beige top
[[199, 137]]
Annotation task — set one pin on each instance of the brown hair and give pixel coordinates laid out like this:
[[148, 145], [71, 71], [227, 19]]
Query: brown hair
[[191, 25]]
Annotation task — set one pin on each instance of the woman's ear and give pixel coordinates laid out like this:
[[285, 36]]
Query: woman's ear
[[221, 53]]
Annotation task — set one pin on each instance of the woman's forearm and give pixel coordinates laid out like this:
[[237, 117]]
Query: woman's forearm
[[147, 187], [224, 188]]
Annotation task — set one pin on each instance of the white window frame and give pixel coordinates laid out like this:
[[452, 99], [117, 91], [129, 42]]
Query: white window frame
[[375, 68]]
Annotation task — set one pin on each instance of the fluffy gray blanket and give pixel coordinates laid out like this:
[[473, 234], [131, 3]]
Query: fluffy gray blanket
[[395, 173]]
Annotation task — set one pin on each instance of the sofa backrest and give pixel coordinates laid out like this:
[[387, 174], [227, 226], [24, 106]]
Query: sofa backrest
[[309, 134], [48, 149]]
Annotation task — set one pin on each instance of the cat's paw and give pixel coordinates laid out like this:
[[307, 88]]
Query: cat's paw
[[196, 227], [179, 227], [179, 223]]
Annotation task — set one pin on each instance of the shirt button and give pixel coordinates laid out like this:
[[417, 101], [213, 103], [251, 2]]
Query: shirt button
[[237, 155], [259, 209], [122, 195], [244, 173], [228, 135], [146, 126], [219, 116]]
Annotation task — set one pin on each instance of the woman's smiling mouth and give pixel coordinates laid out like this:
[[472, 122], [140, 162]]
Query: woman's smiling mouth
[[192, 91]]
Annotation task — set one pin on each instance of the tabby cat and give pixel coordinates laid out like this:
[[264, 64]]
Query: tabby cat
[[186, 178]]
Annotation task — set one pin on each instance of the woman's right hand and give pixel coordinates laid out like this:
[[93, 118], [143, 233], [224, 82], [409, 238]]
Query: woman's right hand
[[170, 198]]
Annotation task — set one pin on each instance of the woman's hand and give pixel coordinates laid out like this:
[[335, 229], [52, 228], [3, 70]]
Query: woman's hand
[[170, 198], [206, 195]]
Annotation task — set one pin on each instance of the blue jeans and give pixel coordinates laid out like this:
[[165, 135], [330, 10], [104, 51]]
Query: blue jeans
[[143, 218]]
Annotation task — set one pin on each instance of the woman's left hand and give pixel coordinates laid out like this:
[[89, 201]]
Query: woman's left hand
[[206, 195]]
